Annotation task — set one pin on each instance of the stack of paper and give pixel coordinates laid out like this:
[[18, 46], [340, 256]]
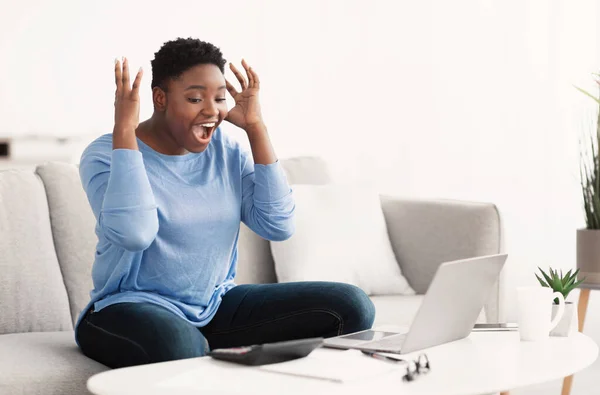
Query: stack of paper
[[336, 365]]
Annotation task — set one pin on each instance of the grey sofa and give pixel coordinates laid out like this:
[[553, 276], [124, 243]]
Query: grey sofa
[[47, 245]]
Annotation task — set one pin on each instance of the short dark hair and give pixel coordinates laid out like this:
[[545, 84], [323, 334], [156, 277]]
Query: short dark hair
[[177, 56]]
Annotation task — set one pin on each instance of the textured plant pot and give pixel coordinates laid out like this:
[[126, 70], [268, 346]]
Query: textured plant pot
[[567, 325], [588, 256]]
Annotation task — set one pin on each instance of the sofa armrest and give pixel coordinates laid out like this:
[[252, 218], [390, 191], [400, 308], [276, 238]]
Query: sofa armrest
[[425, 233]]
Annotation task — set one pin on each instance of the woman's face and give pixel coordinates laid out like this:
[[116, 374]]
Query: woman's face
[[195, 105]]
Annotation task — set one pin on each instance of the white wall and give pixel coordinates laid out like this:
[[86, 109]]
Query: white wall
[[463, 99]]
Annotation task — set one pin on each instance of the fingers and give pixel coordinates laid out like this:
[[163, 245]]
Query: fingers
[[239, 76], [118, 76], [125, 73], [136, 83], [253, 80], [231, 89], [248, 73], [255, 77], [122, 78]]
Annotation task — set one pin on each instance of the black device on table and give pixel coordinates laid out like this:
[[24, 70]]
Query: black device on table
[[268, 353]]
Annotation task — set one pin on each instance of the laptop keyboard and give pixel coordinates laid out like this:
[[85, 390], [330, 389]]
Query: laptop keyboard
[[391, 343]]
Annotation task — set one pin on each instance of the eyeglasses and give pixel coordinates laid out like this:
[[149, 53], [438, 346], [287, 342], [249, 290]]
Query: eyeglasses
[[416, 367]]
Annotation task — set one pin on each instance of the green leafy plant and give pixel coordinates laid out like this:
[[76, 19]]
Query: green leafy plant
[[590, 170], [559, 283]]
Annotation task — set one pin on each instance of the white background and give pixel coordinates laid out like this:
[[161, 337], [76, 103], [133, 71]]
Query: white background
[[455, 99], [462, 99]]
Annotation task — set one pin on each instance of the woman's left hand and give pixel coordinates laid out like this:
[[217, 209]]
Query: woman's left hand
[[246, 112]]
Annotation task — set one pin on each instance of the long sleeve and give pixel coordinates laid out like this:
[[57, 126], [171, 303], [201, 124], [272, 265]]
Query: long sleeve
[[267, 200], [121, 197]]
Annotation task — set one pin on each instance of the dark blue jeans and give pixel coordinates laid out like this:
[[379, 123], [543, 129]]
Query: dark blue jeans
[[127, 334]]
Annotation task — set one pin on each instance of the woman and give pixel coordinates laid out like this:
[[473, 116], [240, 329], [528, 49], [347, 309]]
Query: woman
[[168, 195]]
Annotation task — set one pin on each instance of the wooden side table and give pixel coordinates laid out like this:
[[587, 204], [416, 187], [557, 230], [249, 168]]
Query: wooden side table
[[584, 298]]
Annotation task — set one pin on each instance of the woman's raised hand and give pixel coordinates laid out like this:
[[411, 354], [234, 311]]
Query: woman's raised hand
[[127, 98], [246, 113]]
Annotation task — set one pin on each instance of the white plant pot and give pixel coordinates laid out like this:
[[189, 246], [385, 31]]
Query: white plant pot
[[567, 326]]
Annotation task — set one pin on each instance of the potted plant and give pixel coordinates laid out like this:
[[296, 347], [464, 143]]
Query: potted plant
[[588, 238], [563, 284]]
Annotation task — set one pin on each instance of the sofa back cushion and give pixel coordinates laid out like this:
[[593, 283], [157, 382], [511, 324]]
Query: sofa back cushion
[[33, 297], [425, 233], [73, 225]]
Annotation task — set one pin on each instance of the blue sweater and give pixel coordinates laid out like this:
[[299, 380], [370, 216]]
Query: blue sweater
[[168, 225]]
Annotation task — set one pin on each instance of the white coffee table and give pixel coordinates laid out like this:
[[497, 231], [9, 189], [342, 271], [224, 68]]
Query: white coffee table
[[480, 364]]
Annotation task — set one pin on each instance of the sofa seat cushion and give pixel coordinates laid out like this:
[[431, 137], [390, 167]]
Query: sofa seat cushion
[[45, 363], [400, 310]]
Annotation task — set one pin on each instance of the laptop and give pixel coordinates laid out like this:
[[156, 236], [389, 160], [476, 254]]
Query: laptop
[[448, 312]]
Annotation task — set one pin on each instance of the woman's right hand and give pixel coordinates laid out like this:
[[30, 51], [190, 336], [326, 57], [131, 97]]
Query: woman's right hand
[[127, 99]]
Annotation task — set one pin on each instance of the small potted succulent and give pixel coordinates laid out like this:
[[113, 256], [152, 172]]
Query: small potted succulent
[[563, 284]]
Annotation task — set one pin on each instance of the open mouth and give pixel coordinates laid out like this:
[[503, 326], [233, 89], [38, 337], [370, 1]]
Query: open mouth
[[204, 131]]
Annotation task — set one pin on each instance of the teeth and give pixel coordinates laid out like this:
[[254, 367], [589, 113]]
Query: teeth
[[208, 125]]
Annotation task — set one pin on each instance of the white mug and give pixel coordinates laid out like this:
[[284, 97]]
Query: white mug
[[535, 312]]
